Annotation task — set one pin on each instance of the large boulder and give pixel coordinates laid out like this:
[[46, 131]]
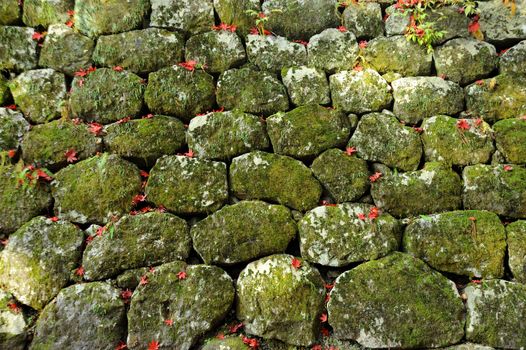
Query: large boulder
[[13, 324], [513, 61], [17, 48], [333, 50], [188, 16], [306, 85], [499, 25], [13, 126], [516, 237], [234, 12], [364, 19], [43, 13], [271, 53]]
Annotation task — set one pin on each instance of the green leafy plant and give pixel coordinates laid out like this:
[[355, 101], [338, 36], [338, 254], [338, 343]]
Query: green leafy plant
[[261, 19]]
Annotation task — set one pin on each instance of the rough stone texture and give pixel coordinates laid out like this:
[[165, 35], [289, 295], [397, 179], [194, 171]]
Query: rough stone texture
[[140, 51], [13, 325], [360, 91], [336, 236], [234, 12], [271, 287], [495, 312], [179, 92], [251, 91], [17, 48], [9, 12], [513, 61], [444, 141], [345, 177], [493, 188], [106, 95], [405, 305], [66, 50], [43, 13], [223, 135], [499, 25], [380, 137], [188, 16], [516, 234], [307, 131], [98, 304], [12, 127], [268, 176], [416, 98], [364, 19], [130, 279], [144, 140], [468, 346], [501, 97], [271, 53], [396, 54], [37, 261], [195, 304], [218, 50], [95, 189], [4, 90], [306, 85], [332, 50], [228, 343], [187, 185], [99, 17], [433, 189], [243, 232], [136, 241]]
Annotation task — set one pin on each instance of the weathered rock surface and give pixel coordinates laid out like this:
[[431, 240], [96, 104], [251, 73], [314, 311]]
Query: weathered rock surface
[[188, 16], [306, 85], [499, 25], [513, 61], [13, 324], [43, 13], [12, 127], [364, 19], [4, 90], [271, 53], [235, 12], [17, 48], [9, 12], [516, 238], [332, 50]]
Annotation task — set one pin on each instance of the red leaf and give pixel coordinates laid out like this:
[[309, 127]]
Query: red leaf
[[476, 281], [189, 65], [123, 120], [418, 129], [118, 68], [41, 174], [317, 347], [71, 13], [234, 328], [153, 345], [342, 29], [148, 116], [11, 153], [38, 36], [182, 275], [223, 26], [350, 150], [53, 218], [375, 177], [329, 286], [220, 336], [71, 155], [144, 280], [302, 42], [474, 26], [190, 153], [95, 128], [11, 107], [121, 346], [126, 295], [13, 306], [70, 23], [251, 342], [138, 198], [296, 263], [361, 216], [362, 44], [480, 82], [254, 31], [463, 124], [144, 173], [373, 213], [169, 322], [323, 317], [327, 204], [79, 271], [508, 168]]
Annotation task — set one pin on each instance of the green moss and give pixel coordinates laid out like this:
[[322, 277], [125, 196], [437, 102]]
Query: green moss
[[513, 60], [17, 48], [229, 343], [234, 12], [510, 138], [306, 85], [9, 12], [12, 127], [43, 13], [364, 19], [130, 279], [516, 238], [332, 50]]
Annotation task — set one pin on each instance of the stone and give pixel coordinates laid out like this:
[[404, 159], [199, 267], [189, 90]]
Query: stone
[[469, 346], [364, 19], [228, 343], [405, 305], [235, 12], [4, 90], [17, 49], [187, 185], [272, 286], [273, 177], [44, 13], [306, 85], [187, 16], [95, 189], [13, 324], [36, 263], [13, 126], [516, 237], [130, 279], [333, 50], [307, 131], [272, 53], [513, 61], [224, 135], [380, 137], [9, 12], [499, 25]]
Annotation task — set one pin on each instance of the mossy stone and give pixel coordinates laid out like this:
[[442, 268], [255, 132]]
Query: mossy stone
[[106, 95], [178, 92], [18, 50], [13, 126], [9, 12], [136, 241], [468, 346], [4, 90], [13, 325], [513, 61], [130, 279], [273, 177], [435, 188], [242, 232], [96, 303], [140, 51], [43, 13], [360, 91], [228, 343], [187, 185], [405, 305], [496, 189], [495, 314], [516, 238], [272, 53], [95, 189], [251, 91], [380, 137], [66, 50], [364, 19], [223, 135], [195, 304], [444, 141], [36, 263], [332, 50], [271, 287], [306, 85], [144, 140], [234, 12], [345, 177], [499, 24], [307, 131], [188, 16]]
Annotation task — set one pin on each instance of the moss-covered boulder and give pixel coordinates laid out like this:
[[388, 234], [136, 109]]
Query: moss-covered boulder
[[9, 12], [43, 13], [98, 304], [396, 54], [495, 314], [497, 188], [135, 241], [281, 179], [276, 286], [66, 50], [300, 19], [332, 50], [106, 95], [501, 97], [416, 98], [251, 91], [95, 189], [435, 188], [380, 137], [218, 50], [235, 12], [223, 135], [37, 261], [499, 24], [336, 236], [140, 51], [444, 141], [187, 185], [188, 16], [360, 91], [144, 140], [4, 90], [243, 232], [178, 305], [17, 48], [271, 53], [306, 85], [346, 178], [13, 324], [516, 238], [307, 131], [513, 61], [12, 127], [98, 17], [364, 19], [228, 343], [405, 305], [179, 92]]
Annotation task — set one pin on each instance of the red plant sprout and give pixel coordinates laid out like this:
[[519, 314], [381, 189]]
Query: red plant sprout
[[462, 124], [71, 155], [342, 29], [351, 150], [375, 176], [153, 345], [182, 275], [79, 271], [296, 263]]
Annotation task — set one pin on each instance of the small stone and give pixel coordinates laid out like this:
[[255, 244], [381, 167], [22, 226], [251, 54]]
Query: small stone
[[43, 13], [272, 53], [188, 16], [4, 91], [235, 12], [306, 85], [333, 50], [364, 19], [17, 49], [513, 61], [516, 233], [13, 126], [14, 330]]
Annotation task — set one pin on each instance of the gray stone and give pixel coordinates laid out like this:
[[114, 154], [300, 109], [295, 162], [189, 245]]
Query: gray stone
[[513, 61], [188, 16], [498, 24], [17, 49], [306, 85], [364, 19], [333, 50], [516, 237], [271, 53]]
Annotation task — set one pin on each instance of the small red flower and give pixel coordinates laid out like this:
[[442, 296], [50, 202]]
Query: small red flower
[[220, 336], [373, 213], [169, 322], [323, 317], [13, 306], [144, 173], [375, 177], [189, 154], [480, 82], [138, 198], [342, 29], [251, 342], [41, 174], [302, 42], [362, 44], [472, 218], [79, 271], [38, 36], [350, 150], [71, 13], [474, 25], [144, 280], [11, 107], [71, 155], [182, 275], [476, 281], [328, 204], [463, 124], [126, 295], [189, 65], [11, 153], [70, 23], [508, 168], [95, 128], [53, 218], [361, 216], [296, 263], [418, 129], [118, 68], [121, 346], [153, 345], [235, 327]]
